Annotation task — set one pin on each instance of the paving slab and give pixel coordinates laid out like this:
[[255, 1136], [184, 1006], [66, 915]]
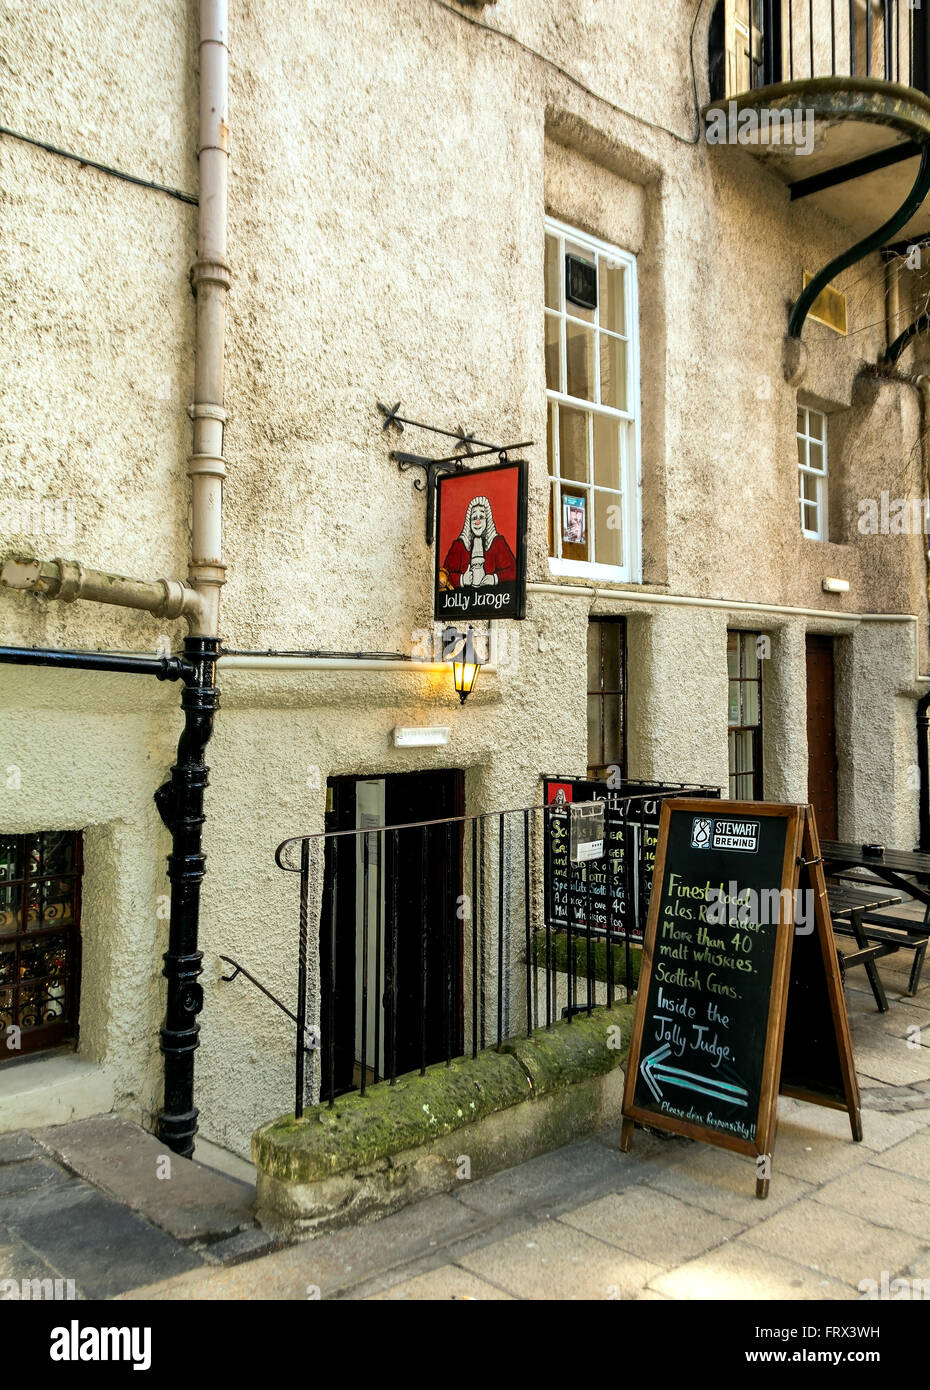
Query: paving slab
[[740, 1272], [725, 1183], [550, 1260], [554, 1181], [814, 1235], [101, 1245], [444, 1283], [653, 1225], [19, 1262], [911, 1157], [32, 1172], [244, 1245], [888, 1059], [330, 1262], [884, 1198], [17, 1146], [125, 1162]]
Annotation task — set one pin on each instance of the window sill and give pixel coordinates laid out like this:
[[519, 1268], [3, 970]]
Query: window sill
[[51, 1089], [575, 569]]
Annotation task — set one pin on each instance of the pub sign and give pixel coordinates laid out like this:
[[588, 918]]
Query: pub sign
[[481, 543]]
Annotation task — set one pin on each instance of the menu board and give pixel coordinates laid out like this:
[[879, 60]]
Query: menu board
[[611, 892], [707, 1034]]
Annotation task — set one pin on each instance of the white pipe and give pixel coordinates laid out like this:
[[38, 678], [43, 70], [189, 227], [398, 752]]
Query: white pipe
[[210, 278], [736, 606]]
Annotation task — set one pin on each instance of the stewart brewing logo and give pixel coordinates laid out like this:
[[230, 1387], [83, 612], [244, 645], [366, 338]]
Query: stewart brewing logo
[[708, 832]]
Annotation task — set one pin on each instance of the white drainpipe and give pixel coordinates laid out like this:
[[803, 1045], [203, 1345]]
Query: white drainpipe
[[198, 599]]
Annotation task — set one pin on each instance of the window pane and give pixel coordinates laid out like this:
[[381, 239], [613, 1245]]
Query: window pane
[[750, 653], [816, 456], [608, 543], [732, 656], [594, 730], [613, 372], [553, 275], [611, 634], [579, 361], [802, 420], [550, 436], [582, 253], [733, 703], [612, 296], [815, 424], [573, 443], [809, 516], [810, 488], [802, 452], [574, 522], [553, 353], [607, 451], [751, 712], [612, 729]]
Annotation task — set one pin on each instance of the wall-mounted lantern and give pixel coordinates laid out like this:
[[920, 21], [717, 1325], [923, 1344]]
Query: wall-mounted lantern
[[461, 650]]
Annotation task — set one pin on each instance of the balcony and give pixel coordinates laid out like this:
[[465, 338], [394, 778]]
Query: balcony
[[834, 96]]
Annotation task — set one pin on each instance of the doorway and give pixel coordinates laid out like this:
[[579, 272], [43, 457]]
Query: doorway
[[821, 734], [413, 878]]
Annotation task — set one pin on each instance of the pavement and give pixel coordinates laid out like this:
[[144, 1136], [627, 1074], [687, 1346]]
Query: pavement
[[672, 1219]]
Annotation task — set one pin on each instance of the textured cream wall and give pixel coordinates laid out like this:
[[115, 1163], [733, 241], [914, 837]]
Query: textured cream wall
[[391, 169]]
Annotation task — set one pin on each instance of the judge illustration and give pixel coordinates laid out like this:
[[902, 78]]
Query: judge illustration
[[479, 557]]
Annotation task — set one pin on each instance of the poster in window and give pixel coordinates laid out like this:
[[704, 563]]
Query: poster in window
[[481, 543], [574, 521]]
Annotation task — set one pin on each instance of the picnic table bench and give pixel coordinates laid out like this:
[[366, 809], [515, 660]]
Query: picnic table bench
[[860, 867], [849, 909]]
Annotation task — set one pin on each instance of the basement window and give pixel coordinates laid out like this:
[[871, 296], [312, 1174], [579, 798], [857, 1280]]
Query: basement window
[[40, 944]]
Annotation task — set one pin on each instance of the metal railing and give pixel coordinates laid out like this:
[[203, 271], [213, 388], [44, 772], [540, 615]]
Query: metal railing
[[436, 939], [794, 40]]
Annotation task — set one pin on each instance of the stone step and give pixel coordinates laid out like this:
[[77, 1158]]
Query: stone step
[[178, 1195]]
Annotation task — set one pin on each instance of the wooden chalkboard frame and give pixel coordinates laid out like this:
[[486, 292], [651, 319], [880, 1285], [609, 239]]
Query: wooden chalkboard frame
[[813, 862], [761, 1147]]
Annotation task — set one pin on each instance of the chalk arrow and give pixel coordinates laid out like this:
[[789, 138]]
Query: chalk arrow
[[648, 1063], [706, 1085]]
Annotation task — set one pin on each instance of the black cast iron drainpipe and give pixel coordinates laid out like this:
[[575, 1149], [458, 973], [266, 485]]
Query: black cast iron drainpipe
[[180, 804], [923, 770]]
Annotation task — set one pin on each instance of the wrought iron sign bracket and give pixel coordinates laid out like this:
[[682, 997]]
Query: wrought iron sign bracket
[[433, 468]]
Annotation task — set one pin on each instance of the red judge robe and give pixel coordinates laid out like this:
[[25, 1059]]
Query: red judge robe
[[498, 559]]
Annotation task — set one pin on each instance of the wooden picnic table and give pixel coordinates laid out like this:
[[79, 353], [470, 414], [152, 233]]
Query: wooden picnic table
[[907, 871]]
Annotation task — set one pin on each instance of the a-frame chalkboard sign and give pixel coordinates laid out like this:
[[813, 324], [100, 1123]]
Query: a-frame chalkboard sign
[[740, 994]]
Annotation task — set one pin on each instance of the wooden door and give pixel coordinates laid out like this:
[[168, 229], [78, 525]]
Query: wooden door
[[821, 734]]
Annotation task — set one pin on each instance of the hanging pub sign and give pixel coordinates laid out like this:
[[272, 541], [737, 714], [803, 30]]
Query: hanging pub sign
[[481, 543]]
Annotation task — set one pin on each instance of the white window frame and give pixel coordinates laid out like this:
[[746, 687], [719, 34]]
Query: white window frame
[[630, 498], [805, 469]]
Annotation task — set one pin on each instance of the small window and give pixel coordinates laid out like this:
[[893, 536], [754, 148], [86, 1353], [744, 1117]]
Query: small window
[[40, 914], [744, 715], [812, 472], [606, 696], [592, 385]]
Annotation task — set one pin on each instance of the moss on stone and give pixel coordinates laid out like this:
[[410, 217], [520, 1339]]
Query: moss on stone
[[590, 1045], [362, 1131]]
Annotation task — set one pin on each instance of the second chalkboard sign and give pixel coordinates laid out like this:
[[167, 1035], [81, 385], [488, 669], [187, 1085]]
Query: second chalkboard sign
[[706, 1050]]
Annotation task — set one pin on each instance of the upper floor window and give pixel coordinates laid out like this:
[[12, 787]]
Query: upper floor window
[[812, 472], [592, 381]]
